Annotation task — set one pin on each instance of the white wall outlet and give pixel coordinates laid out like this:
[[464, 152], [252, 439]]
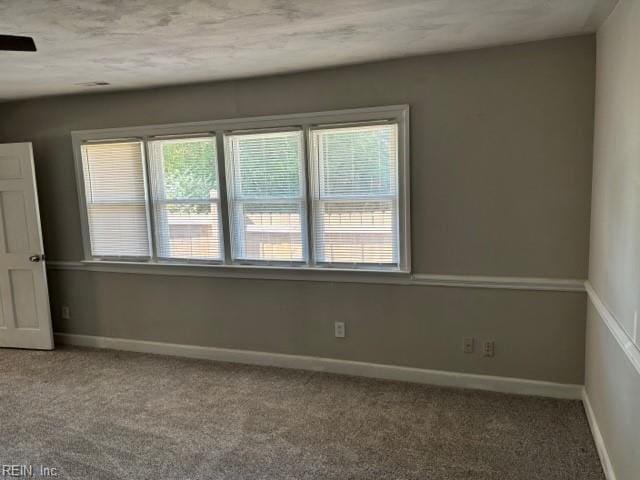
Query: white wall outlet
[[65, 313], [467, 344], [489, 349], [339, 329]]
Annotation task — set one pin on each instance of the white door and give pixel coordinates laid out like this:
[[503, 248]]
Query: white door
[[25, 318]]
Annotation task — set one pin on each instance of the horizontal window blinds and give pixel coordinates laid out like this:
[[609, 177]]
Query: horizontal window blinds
[[326, 190], [186, 198], [355, 190], [267, 196], [116, 199]]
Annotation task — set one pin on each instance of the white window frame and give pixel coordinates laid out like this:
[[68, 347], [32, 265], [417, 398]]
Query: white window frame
[[398, 114], [315, 183], [85, 212], [233, 197], [160, 243]]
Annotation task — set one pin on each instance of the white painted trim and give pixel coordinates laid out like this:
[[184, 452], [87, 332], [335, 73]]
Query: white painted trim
[[243, 123], [630, 349], [601, 447], [395, 113], [323, 275], [239, 271], [344, 367], [511, 283]]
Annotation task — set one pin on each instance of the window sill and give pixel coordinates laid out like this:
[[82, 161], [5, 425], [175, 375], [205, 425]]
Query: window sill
[[266, 272]]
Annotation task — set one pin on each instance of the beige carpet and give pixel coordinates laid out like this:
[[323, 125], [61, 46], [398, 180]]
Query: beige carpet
[[101, 414]]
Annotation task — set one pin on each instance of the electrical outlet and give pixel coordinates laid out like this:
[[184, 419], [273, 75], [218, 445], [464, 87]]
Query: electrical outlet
[[467, 344], [65, 313], [489, 349], [339, 329]]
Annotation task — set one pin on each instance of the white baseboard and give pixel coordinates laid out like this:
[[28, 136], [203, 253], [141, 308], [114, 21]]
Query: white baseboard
[[597, 438], [345, 367]]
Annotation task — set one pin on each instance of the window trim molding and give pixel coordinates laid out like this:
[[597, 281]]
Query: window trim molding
[[395, 113]]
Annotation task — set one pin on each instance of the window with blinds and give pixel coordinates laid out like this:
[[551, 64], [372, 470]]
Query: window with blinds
[[186, 199], [267, 196], [355, 209], [324, 190], [116, 199]]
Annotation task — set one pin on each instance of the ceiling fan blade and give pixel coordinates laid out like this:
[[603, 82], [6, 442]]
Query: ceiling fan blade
[[16, 43]]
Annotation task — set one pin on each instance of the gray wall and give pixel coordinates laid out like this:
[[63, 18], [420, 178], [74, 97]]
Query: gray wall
[[501, 144], [613, 384]]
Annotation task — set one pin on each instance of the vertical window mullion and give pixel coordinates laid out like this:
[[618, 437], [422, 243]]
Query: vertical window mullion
[[309, 174], [316, 201], [223, 197], [151, 208]]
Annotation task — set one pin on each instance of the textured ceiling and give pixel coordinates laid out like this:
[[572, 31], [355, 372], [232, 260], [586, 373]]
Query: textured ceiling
[[138, 43]]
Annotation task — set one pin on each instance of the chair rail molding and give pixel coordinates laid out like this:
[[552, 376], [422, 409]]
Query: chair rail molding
[[630, 349], [324, 275]]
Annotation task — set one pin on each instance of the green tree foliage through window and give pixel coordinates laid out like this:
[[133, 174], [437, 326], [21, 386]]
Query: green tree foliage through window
[[190, 170], [268, 165], [359, 161]]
